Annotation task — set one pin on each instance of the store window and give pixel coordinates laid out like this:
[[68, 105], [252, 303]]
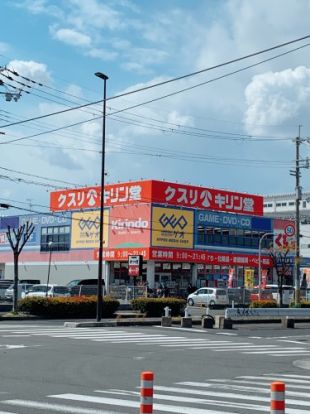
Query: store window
[[55, 238]]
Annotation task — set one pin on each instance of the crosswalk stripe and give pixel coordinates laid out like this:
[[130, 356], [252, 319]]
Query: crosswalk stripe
[[56, 407], [226, 344], [284, 352], [194, 400], [233, 386], [259, 384], [275, 378], [130, 403]]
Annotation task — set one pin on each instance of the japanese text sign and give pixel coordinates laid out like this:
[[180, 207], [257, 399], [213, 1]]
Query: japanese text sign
[[207, 198], [157, 192], [89, 197]]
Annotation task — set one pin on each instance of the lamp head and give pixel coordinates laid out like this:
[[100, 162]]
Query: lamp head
[[101, 75]]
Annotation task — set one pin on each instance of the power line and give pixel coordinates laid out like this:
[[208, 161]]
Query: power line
[[166, 82]]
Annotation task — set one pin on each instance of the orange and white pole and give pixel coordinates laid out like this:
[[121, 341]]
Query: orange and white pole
[[146, 392], [277, 398]]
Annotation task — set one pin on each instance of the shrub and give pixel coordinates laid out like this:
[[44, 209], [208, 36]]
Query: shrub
[[303, 304], [154, 307], [68, 307], [264, 303]]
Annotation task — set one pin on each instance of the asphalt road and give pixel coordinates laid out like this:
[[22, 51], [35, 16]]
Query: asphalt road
[[48, 368]]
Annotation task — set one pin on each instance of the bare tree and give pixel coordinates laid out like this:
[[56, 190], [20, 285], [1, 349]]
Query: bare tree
[[17, 239], [281, 264]]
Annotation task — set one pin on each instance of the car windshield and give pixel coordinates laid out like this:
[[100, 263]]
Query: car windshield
[[73, 283]]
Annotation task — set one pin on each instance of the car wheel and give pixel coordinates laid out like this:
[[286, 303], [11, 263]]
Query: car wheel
[[190, 302], [211, 304]]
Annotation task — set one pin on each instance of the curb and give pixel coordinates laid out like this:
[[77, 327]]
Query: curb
[[115, 322]]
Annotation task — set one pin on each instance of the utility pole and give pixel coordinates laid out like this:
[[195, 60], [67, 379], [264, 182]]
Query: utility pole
[[298, 196], [297, 221]]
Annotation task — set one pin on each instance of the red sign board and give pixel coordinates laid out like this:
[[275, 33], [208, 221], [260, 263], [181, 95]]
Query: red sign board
[[135, 265], [157, 192], [89, 197], [187, 255], [130, 226], [206, 198]]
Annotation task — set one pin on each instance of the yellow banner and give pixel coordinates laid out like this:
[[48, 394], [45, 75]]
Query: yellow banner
[[172, 227], [85, 229], [249, 278]]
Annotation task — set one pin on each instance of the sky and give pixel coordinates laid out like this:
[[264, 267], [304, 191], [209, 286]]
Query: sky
[[233, 128]]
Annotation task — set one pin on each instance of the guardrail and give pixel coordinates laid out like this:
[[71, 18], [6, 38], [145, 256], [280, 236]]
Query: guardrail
[[235, 313]]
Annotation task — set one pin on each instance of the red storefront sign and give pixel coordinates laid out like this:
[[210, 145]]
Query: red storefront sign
[[89, 197], [182, 255], [206, 198], [157, 192]]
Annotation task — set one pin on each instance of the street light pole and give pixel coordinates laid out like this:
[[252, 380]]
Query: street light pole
[[50, 244], [260, 264], [99, 285]]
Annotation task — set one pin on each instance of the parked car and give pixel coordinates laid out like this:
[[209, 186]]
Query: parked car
[[209, 297], [22, 289], [265, 294], [79, 282], [30, 281], [50, 291]]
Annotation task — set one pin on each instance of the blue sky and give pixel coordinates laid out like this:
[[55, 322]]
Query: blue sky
[[235, 133]]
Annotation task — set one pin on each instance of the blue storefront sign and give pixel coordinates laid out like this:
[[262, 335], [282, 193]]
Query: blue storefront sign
[[214, 219], [234, 221], [38, 220], [12, 221]]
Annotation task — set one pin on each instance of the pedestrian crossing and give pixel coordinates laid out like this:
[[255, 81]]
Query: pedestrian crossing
[[239, 395], [216, 344]]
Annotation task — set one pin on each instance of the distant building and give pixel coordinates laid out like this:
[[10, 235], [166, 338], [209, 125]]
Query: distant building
[[283, 206]]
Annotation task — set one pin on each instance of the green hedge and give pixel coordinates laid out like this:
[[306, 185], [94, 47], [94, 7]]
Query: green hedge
[[71, 307], [263, 303], [303, 304], [154, 307]]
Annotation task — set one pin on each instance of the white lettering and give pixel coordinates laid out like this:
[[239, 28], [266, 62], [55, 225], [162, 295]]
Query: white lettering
[[135, 224]]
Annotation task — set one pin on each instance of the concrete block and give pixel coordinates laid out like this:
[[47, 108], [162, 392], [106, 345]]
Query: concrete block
[[207, 323], [288, 322], [186, 322], [222, 323], [166, 321]]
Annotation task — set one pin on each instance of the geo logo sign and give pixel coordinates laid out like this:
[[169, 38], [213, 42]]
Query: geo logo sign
[[85, 229], [172, 227], [173, 221]]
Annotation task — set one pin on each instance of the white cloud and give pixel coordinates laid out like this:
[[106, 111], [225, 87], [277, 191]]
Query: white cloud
[[41, 7], [102, 54], [72, 37], [31, 69], [277, 97]]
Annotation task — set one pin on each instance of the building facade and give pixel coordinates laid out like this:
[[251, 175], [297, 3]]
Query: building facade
[[185, 234]]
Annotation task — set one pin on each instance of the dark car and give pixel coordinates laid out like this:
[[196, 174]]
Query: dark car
[[79, 282], [84, 287]]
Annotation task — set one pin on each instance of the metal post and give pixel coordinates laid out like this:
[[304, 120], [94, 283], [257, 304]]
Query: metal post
[[50, 244], [260, 264], [99, 285]]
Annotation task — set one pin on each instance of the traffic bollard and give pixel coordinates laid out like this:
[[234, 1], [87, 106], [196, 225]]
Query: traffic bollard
[[167, 311], [146, 392], [277, 398]]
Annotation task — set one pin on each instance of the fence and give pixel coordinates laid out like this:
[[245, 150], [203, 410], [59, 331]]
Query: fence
[[127, 293]]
